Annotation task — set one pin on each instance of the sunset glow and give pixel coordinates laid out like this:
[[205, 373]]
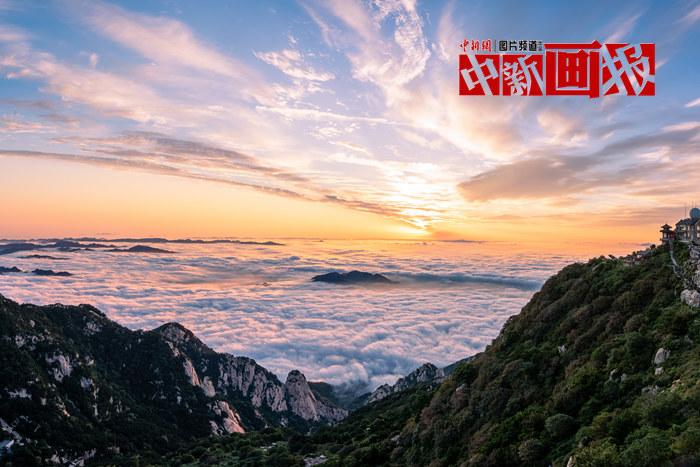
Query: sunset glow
[[331, 120]]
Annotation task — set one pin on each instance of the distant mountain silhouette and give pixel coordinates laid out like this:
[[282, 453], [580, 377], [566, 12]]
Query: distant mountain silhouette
[[12, 269], [352, 277], [50, 272], [140, 249]]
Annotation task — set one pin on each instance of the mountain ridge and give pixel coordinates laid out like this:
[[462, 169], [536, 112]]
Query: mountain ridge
[[69, 369], [600, 368]]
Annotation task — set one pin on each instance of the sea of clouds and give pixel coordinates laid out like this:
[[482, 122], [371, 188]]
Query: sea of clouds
[[450, 300]]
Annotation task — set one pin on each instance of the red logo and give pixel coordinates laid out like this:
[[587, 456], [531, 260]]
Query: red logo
[[480, 75], [526, 68], [523, 75]]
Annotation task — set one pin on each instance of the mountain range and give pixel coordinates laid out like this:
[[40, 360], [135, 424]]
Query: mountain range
[[600, 368], [77, 385]]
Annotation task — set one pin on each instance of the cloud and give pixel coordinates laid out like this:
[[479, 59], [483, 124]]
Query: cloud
[[693, 103], [369, 126], [683, 126], [320, 115], [483, 129], [623, 28], [691, 17], [146, 165], [163, 155], [386, 45], [94, 59], [389, 63], [447, 32], [158, 146], [163, 40], [353, 147], [13, 124], [12, 34], [9, 5], [143, 101], [155, 97], [561, 127], [550, 176], [109, 93], [533, 178], [331, 333], [291, 62]]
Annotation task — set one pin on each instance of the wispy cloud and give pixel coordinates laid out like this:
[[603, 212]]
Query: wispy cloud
[[691, 17], [13, 124], [389, 63], [361, 98], [623, 28], [560, 127], [163, 155], [292, 63], [321, 115], [147, 165], [693, 103], [552, 176], [163, 40]]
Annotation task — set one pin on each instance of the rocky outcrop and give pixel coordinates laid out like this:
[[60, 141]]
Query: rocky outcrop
[[50, 272], [661, 356], [425, 374], [76, 371], [176, 333], [227, 376], [691, 294], [304, 403], [691, 298], [139, 249], [352, 277], [61, 366], [241, 375], [230, 420]]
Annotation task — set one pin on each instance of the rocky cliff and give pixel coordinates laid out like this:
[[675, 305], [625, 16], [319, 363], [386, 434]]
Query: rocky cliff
[[600, 368], [74, 381], [691, 293], [426, 374]]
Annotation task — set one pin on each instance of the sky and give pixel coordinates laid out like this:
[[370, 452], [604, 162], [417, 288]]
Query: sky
[[335, 119]]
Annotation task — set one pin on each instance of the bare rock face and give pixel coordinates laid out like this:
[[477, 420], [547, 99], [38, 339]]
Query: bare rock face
[[661, 356], [241, 374], [380, 393], [191, 372], [424, 374], [303, 402], [691, 298], [74, 367], [228, 377], [230, 420], [61, 366], [177, 334]]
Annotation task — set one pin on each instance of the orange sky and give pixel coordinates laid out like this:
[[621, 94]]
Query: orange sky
[[68, 199], [331, 120]]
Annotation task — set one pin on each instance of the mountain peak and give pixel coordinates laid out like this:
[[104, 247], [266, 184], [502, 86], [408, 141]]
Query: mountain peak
[[175, 332], [296, 376]]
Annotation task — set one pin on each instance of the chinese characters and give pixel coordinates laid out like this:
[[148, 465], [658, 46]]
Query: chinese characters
[[534, 68]]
